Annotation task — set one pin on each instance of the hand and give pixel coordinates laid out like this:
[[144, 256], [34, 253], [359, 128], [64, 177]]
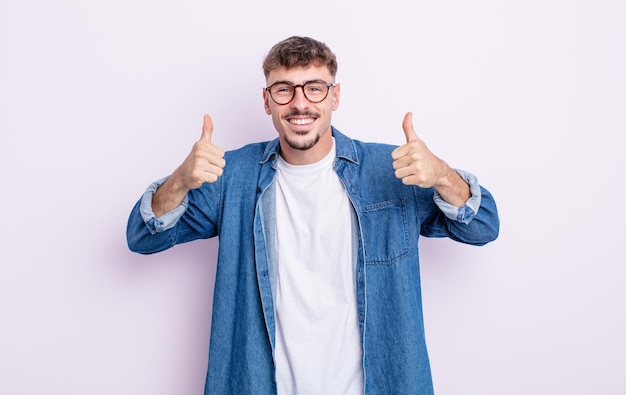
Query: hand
[[205, 163], [413, 162]]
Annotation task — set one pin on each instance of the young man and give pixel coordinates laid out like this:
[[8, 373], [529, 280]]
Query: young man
[[317, 288]]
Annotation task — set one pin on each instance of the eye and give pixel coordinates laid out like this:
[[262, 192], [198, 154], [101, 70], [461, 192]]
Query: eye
[[282, 89], [315, 88]]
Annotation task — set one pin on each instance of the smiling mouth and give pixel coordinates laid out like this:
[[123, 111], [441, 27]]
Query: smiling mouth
[[301, 121]]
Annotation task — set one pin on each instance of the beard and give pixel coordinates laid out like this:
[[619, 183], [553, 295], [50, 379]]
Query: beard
[[302, 145], [295, 142]]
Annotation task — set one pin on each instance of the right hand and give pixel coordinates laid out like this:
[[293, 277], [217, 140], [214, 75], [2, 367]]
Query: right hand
[[205, 162]]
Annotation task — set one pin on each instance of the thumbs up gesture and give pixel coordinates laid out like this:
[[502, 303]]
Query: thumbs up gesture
[[205, 162], [413, 162]]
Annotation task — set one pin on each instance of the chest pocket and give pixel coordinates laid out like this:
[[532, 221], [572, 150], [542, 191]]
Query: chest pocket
[[385, 232]]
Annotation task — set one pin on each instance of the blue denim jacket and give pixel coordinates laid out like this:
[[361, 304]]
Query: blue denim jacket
[[388, 219]]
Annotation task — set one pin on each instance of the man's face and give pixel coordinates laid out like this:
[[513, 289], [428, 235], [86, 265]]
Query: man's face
[[303, 127]]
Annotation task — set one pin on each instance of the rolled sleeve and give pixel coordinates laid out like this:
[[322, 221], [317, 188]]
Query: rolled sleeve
[[165, 221], [468, 211]]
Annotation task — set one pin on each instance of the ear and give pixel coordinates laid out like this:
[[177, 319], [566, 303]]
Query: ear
[[336, 91], [266, 102]]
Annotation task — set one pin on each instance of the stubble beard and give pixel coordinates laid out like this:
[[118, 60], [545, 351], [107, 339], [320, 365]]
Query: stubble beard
[[302, 145], [308, 142]]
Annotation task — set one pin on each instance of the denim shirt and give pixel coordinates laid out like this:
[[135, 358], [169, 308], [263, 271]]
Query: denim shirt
[[388, 218]]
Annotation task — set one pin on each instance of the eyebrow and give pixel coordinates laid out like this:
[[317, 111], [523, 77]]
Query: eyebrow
[[294, 84]]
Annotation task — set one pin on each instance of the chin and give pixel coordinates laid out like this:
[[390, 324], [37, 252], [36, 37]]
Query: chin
[[302, 144]]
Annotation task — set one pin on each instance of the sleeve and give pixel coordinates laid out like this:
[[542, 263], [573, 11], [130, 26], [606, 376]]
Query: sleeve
[[476, 222], [167, 220], [468, 211], [195, 218]]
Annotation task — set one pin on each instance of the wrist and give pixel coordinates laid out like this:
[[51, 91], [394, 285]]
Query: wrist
[[446, 176], [169, 195], [453, 188]]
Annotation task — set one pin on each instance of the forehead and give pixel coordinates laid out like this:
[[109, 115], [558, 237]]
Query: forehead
[[299, 75]]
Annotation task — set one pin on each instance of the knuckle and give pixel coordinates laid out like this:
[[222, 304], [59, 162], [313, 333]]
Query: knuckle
[[421, 180], [196, 176], [197, 154]]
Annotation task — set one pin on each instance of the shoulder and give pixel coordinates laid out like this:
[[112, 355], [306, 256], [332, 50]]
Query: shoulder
[[250, 151], [253, 154], [359, 150], [369, 147]]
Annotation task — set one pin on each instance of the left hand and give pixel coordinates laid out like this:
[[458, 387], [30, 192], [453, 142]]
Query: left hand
[[413, 162]]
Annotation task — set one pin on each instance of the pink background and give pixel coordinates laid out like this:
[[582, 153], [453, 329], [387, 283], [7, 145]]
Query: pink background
[[99, 98]]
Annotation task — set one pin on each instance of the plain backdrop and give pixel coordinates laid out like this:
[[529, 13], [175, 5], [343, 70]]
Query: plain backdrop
[[99, 98]]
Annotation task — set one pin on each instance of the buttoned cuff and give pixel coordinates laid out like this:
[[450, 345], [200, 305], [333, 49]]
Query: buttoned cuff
[[165, 221], [468, 211]]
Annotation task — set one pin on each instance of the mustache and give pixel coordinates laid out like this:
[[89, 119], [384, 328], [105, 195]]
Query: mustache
[[298, 113]]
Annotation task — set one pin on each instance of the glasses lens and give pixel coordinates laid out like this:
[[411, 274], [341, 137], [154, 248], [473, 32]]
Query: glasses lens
[[315, 91], [282, 93]]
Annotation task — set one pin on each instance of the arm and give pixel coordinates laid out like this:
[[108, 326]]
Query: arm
[[154, 223], [416, 165], [476, 223], [470, 213], [205, 163]]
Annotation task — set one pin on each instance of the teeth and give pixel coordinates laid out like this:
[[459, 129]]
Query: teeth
[[301, 121]]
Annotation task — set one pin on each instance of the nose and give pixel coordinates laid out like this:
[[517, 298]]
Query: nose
[[299, 100]]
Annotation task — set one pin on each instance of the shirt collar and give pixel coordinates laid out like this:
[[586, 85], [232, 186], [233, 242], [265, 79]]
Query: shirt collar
[[344, 146]]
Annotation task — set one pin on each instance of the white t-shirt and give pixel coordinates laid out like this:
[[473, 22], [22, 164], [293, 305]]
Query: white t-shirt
[[317, 335]]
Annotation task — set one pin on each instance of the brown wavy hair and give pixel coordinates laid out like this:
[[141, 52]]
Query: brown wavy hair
[[299, 51]]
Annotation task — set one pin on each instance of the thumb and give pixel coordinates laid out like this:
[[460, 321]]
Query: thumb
[[207, 129], [407, 125]]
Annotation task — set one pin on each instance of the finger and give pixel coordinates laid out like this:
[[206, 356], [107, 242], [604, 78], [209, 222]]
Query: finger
[[207, 129], [400, 152], [407, 125], [215, 170], [215, 150], [403, 172], [217, 160], [401, 161]]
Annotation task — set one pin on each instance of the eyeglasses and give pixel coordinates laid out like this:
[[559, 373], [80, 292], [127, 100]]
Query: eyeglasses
[[283, 92]]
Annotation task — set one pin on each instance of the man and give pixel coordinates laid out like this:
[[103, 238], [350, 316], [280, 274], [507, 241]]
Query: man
[[317, 288]]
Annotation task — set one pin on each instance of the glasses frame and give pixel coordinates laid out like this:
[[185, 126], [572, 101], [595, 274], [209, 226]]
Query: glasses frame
[[328, 86]]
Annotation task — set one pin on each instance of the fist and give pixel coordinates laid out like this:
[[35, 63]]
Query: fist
[[205, 162], [413, 162]]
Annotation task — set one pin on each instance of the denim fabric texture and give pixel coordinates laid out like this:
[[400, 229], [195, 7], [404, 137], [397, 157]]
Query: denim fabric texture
[[389, 217]]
